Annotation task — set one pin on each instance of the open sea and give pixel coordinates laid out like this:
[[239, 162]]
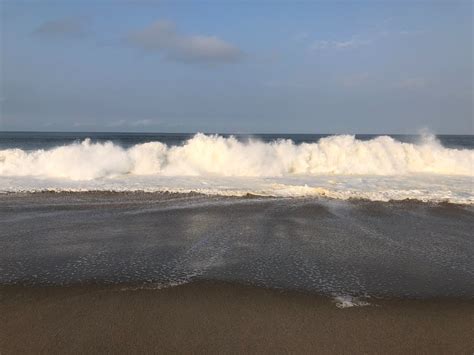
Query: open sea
[[365, 215]]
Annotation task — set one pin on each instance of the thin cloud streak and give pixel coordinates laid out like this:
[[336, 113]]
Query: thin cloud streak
[[66, 27], [348, 44], [357, 42]]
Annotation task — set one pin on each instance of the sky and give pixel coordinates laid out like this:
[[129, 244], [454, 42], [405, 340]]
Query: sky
[[386, 66]]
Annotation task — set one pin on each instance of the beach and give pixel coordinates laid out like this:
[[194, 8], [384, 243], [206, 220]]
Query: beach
[[151, 272], [224, 318], [185, 245], [330, 247]]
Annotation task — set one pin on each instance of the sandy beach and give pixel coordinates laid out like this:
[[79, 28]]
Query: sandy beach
[[209, 317], [97, 273]]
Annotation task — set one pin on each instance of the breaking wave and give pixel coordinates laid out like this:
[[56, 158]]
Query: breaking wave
[[341, 167], [213, 155]]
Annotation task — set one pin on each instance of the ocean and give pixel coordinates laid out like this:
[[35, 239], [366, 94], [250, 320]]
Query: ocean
[[343, 216]]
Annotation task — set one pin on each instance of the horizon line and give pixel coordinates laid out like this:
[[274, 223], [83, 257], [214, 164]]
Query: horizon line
[[238, 133]]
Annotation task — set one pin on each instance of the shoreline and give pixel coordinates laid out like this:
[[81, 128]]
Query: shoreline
[[373, 299], [224, 317], [153, 195]]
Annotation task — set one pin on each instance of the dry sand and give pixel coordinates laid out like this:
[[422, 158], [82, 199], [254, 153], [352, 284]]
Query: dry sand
[[210, 317]]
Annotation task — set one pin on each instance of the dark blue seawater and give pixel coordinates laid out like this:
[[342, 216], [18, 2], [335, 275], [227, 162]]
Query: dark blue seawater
[[46, 140]]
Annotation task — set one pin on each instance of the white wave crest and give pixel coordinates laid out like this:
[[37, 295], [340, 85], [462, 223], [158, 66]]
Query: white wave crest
[[213, 155]]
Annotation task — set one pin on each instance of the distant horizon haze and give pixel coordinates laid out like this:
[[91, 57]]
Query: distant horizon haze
[[419, 133]]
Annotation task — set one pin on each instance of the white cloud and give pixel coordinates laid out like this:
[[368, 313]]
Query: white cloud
[[162, 36]]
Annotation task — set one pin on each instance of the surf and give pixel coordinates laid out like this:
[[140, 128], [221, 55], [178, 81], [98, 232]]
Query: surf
[[214, 155]]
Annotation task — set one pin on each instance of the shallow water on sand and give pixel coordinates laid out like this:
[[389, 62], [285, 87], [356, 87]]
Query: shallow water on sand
[[392, 249]]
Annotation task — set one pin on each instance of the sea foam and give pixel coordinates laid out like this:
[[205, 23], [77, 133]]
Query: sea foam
[[337, 166], [215, 155]]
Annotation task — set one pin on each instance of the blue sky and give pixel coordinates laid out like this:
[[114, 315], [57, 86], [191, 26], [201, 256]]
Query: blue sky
[[237, 66]]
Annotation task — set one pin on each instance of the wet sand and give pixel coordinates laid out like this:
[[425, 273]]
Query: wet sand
[[68, 260], [210, 317], [394, 249]]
